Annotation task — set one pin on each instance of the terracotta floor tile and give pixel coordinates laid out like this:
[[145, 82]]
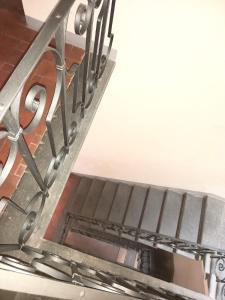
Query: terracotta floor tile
[[6, 67], [12, 15], [16, 30], [20, 170], [23, 45], [46, 68], [3, 77], [77, 54]]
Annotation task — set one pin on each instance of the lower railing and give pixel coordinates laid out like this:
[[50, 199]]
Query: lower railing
[[70, 115], [133, 237], [138, 239], [49, 265]]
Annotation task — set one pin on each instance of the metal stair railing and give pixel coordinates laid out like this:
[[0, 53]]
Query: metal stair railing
[[50, 266], [86, 76], [142, 240], [139, 238]]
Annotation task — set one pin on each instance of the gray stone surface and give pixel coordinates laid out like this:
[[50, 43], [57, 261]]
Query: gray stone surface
[[170, 214], [8, 295], [213, 223], [189, 226], [105, 201], [135, 207], [152, 209], [81, 195], [91, 201], [120, 203]]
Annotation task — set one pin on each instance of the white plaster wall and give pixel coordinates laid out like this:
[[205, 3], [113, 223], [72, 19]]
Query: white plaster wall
[[162, 118]]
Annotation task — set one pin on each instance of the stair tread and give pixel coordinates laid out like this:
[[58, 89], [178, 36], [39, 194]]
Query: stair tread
[[152, 209], [120, 203], [135, 206], [134, 210], [190, 222], [106, 199], [91, 201], [188, 216], [170, 213], [81, 194], [213, 223]]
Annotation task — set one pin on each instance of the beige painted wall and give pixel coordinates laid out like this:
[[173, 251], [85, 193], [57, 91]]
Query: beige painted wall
[[162, 118]]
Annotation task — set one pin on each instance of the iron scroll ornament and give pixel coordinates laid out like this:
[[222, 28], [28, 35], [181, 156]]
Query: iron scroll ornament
[[49, 265], [94, 63], [35, 103]]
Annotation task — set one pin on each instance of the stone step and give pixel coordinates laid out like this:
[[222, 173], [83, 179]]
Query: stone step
[[135, 207], [120, 203], [106, 200], [152, 210], [212, 228], [190, 219], [189, 216], [81, 194], [91, 201], [170, 213]]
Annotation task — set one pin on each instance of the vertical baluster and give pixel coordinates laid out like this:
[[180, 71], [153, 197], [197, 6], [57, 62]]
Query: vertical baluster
[[75, 88], [60, 38], [111, 17], [102, 59], [51, 138], [58, 87], [104, 16], [86, 75]]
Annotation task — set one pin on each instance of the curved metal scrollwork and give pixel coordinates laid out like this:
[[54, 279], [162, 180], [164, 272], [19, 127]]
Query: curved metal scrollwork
[[35, 103], [42, 110], [12, 264], [101, 58], [34, 106], [101, 229], [94, 63], [32, 215], [83, 17], [44, 263], [5, 170], [220, 269], [34, 211]]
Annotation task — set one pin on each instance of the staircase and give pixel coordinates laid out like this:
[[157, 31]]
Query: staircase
[[50, 91], [192, 221]]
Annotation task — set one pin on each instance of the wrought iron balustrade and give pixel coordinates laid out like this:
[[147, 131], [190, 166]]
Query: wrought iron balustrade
[[46, 264], [70, 114], [138, 239], [86, 75], [132, 236]]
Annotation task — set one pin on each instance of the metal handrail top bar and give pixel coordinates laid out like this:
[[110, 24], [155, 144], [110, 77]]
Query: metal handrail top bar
[[33, 55]]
